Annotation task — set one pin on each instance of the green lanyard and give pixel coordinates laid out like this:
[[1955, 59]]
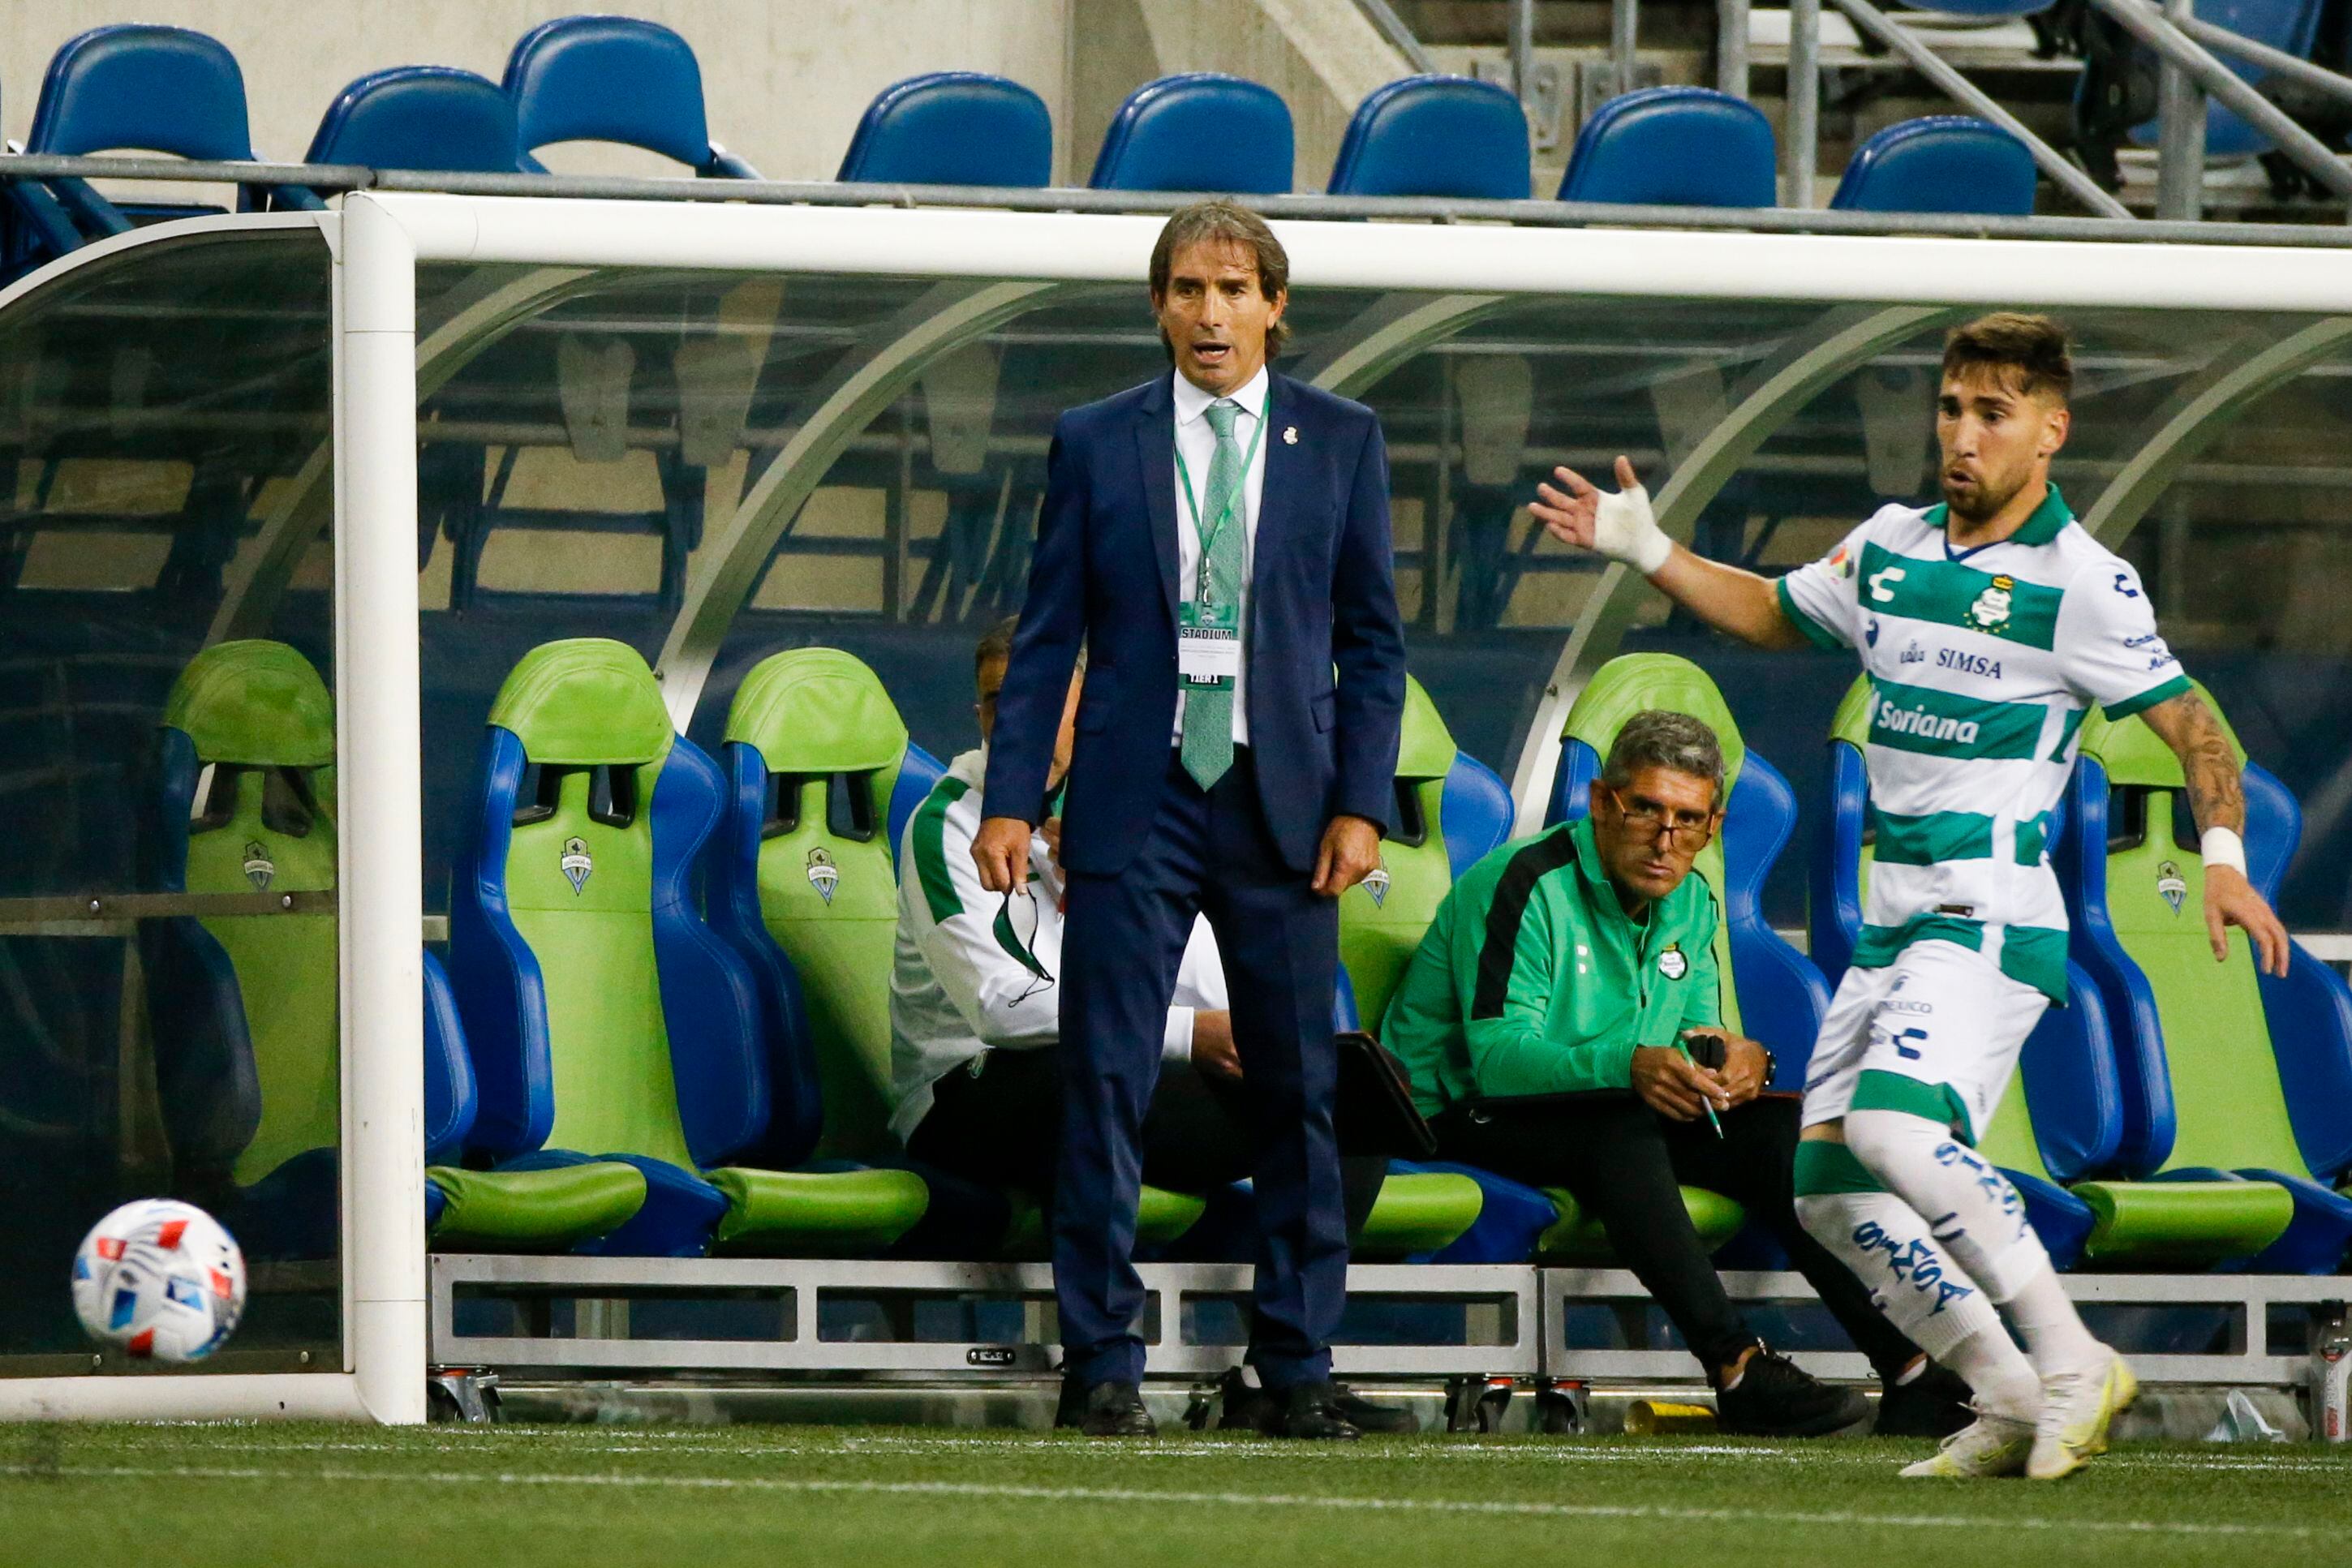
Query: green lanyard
[[1208, 535]]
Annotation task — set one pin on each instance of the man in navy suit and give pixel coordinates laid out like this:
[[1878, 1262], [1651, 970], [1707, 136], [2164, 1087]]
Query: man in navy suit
[[1217, 539]]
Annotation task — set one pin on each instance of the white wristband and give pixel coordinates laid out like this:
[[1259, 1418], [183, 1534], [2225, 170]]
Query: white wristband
[[2221, 846], [1624, 530]]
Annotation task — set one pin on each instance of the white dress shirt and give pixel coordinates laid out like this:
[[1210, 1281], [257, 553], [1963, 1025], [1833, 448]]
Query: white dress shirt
[[1197, 440]]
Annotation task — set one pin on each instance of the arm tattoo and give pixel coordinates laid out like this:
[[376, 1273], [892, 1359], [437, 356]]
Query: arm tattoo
[[2215, 790]]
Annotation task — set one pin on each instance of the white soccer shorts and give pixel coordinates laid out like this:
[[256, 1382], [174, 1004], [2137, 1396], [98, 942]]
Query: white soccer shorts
[[1942, 1018]]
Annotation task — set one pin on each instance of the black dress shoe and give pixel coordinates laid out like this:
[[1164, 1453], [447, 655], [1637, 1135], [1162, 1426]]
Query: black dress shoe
[[1116, 1410], [1311, 1410], [1070, 1406], [1932, 1404]]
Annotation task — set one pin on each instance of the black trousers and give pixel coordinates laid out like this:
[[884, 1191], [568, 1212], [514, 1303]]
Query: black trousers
[[1625, 1164], [1003, 1127]]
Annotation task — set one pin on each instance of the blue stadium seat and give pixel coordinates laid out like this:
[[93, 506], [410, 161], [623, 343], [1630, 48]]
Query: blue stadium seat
[[1941, 163], [952, 127], [2065, 1122], [2234, 1139], [134, 88], [2292, 25], [420, 117], [601, 1012], [618, 79], [1201, 132], [1436, 136], [1674, 146]]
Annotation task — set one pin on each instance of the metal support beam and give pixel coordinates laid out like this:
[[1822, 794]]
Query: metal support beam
[[2310, 154], [1625, 27], [1844, 339], [1392, 27], [1731, 47], [861, 386], [2197, 415], [2180, 142], [1804, 100], [302, 511], [1389, 332], [1523, 48], [1966, 93]]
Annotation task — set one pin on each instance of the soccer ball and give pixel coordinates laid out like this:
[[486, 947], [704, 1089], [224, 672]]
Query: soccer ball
[[161, 1278]]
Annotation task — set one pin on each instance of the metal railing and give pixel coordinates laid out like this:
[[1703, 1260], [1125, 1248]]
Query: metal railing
[[341, 178], [2188, 73]]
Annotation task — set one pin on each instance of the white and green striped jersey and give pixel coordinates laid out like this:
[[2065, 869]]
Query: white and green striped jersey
[[1981, 664], [961, 984]]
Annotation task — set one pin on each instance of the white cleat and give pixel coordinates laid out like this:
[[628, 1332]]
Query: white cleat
[[1988, 1447], [2076, 1407]]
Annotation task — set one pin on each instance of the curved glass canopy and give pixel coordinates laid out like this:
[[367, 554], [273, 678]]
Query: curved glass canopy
[[713, 462]]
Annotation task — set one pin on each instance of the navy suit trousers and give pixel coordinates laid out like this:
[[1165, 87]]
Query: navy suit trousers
[[1123, 936]]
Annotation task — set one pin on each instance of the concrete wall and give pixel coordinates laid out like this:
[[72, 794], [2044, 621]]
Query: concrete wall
[[785, 82]]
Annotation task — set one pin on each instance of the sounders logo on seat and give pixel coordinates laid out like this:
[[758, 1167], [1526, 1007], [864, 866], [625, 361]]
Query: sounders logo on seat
[[823, 874], [576, 865], [258, 867], [2169, 884]]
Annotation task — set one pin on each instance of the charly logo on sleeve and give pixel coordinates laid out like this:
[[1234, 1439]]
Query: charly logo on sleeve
[[2169, 883], [823, 874], [258, 867], [1672, 964], [576, 863], [1375, 882]]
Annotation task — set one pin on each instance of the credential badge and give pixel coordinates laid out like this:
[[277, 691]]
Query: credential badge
[[2169, 884], [1672, 964], [1375, 882], [576, 863], [823, 874], [1990, 610], [258, 867]]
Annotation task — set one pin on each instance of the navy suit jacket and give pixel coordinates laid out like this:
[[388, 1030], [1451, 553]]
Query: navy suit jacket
[[1322, 598]]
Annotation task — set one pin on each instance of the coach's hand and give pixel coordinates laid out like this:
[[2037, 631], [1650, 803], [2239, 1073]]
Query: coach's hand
[[1619, 527], [1674, 1086], [1000, 850], [1351, 848], [1743, 1068], [1214, 1053]]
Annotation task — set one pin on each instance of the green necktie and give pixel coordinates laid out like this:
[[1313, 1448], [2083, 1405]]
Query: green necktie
[[1208, 746]]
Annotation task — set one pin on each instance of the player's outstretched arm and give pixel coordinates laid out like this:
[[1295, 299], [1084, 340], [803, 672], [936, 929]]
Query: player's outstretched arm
[[1620, 526], [2218, 798]]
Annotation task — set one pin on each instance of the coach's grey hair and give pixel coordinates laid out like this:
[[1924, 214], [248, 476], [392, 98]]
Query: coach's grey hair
[[1660, 737]]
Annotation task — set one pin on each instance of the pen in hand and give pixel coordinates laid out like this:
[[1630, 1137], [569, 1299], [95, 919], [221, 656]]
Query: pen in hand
[[1682, 1043]]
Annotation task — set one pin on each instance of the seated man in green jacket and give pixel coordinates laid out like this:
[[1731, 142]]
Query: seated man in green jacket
[[1553, 1019]]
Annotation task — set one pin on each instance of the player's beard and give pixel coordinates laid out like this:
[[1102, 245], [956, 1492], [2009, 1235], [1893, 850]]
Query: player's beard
[[1985, 505]]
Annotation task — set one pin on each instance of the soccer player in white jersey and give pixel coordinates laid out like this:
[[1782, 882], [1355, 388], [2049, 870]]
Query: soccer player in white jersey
[[1988, 625]]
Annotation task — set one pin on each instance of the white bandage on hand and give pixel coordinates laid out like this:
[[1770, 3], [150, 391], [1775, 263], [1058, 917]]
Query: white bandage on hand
[[2221, 846], [1624, 530]]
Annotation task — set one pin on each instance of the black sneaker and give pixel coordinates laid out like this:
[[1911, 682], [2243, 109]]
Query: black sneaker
[[1777, 1398], [1116, 1410], [1932, 1404]]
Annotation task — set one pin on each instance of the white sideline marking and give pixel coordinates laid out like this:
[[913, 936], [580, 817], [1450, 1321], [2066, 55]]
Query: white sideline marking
[[717, 1443], [987, 1490]]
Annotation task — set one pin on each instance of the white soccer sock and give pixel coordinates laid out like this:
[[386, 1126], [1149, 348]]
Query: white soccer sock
[[1922, 1291], [1969, 1205], [2054, 1330], [1998, 1374]]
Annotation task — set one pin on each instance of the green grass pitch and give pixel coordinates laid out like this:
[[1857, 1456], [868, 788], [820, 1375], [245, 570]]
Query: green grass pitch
[[709, 1497]]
